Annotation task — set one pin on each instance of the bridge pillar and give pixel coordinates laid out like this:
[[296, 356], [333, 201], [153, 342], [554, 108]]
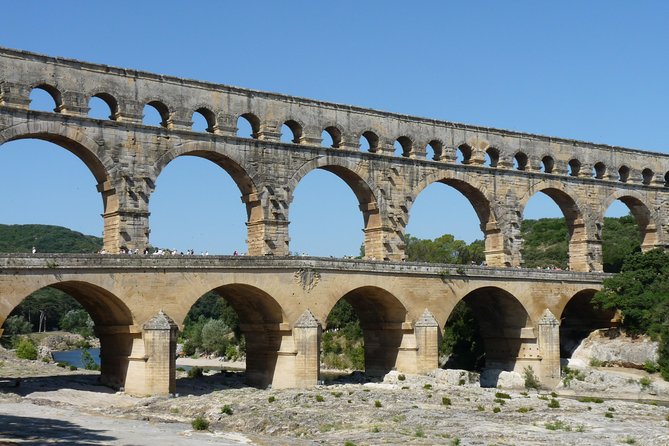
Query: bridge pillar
[[268, 237], [307, 337], [386, 347], [549, 349], [495, 255], [116, 344], [426, 332], [152, 365]]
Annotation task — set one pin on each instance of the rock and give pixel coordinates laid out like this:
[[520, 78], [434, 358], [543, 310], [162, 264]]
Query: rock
[[455, 377], [622, 350], [502, 379]]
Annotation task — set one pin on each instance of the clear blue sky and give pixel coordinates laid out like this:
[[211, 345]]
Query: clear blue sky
[[594, 70]]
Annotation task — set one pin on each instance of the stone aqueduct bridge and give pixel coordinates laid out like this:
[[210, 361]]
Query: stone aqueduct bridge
[[497, 171], [282, 301]]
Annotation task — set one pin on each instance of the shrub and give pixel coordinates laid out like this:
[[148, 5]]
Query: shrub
[[590, 399], [496, 410], [200, 424], [427, 386], [72, 367], [651, 366], [88, 361], [349, 443], [480, 408], [524, 409], [195, 372], [500, 401], [320, 398], [445, 401], [531, 380], [271, 399], [608, 415], [502, 395], [556, 425], [554, 404], [644, 382], [26, 349], [377, 403], [569, 374], [226, 409], [401, 377], [420, 433], [336, 394]]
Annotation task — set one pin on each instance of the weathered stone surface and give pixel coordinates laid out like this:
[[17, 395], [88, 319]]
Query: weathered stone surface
[[618, 350], [502, 379]]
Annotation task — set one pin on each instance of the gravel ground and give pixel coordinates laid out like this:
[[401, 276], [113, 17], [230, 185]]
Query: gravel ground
[[415, 411]]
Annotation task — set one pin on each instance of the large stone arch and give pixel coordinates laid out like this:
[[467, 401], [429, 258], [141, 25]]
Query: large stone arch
[[383, 320], [582, 230], [475, 191], [505, 326], [646, 220], [364, 189], [92, 153], [578, 318], [115, 324], [243, 175], [262, 321]]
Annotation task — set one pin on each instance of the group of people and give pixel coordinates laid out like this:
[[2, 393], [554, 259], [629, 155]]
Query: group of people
[[156, 252]]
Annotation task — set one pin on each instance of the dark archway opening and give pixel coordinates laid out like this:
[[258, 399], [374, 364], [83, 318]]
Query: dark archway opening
[[364, 332], [580, 318], [239, 326], [484, 331]]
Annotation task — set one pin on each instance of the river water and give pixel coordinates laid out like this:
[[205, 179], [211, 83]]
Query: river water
[[74, 357]]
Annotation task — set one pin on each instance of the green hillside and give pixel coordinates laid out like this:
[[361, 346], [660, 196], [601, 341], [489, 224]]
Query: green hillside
[[47, 239], [546, 242]]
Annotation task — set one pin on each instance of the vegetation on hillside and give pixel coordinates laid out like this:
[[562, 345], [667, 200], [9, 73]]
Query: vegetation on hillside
[[546, 242], [46, 238]]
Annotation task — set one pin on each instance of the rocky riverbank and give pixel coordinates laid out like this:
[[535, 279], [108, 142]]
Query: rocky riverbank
[[440, 408]]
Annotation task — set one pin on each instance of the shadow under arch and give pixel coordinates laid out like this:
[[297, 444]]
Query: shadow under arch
[[642, 215], [577, 229], [113, 326], [363, 189], [501, 321], [579, 318], [241, 175], [381, 316], [261, 320], [86, 149]]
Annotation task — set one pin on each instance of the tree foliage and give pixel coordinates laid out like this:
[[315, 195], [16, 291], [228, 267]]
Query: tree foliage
[[47, 239], [641, 293], [444, 249], [16, 325]]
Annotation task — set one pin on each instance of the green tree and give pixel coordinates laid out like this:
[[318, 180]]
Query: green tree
[[77, 321], [16, 325], [641, 293], [26, 349], [215, 336]]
